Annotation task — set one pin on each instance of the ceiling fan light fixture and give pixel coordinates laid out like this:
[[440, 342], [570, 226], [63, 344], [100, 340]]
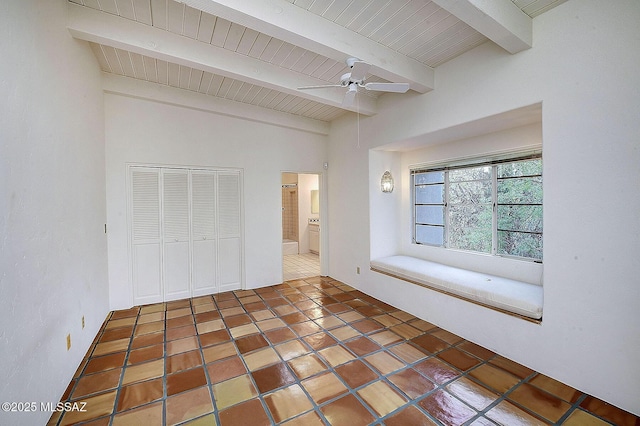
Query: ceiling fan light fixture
[[350, 96]]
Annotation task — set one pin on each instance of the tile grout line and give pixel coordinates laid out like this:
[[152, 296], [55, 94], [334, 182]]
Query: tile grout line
[[260, 396], [124, 368], [330, 369], [574, 407], [298, 381], [85, 361], [216, 412], [298, 296]]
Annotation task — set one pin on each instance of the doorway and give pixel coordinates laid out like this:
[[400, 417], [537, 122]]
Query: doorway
[[300, 225]]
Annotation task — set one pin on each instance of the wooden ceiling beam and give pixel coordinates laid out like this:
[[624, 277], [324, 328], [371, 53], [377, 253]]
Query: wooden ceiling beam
[[501, 21], [288, 22], [103, 28]]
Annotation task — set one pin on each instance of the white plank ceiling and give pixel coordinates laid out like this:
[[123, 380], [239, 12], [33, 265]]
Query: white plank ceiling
[[259, 52]]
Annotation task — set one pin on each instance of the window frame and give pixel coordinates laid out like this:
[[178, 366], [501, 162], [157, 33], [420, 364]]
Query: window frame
[[445, 168]]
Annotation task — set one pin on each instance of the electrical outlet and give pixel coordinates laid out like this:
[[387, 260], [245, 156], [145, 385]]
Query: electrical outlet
[[68, 341], [358, 270], [83, 322]]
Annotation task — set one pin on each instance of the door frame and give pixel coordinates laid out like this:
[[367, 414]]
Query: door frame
[[323, 216]]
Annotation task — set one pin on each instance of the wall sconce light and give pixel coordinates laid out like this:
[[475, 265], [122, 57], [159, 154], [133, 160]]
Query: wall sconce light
[[386, 183]]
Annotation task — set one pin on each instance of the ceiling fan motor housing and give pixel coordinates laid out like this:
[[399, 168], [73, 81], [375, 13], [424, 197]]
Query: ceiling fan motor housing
[[346, 80], [351, 61]]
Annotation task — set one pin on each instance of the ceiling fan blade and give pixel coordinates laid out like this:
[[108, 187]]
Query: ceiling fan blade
[[319, 87], [359, 70], [350, 96], [387, 87]]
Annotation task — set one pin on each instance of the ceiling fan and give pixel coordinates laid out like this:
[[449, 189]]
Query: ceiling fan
[[354, 79]]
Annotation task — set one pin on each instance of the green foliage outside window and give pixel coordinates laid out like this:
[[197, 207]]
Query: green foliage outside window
[[519, 208], [495, 208]]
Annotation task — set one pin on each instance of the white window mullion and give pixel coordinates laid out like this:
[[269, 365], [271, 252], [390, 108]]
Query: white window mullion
[[447, 221], [494, 201], [413, 209]]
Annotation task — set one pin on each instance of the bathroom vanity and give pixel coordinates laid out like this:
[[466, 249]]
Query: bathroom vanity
[[314, 236]]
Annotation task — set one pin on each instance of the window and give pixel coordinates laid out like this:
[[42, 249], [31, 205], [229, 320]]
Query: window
[[493, 207]]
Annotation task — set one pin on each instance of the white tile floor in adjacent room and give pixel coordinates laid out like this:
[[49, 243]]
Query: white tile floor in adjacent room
[[301, 266]]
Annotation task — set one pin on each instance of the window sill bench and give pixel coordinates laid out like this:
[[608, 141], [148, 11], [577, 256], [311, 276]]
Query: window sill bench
[[505, 295]]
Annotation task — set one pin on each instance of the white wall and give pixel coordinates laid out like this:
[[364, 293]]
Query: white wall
[[142, 131], [386, 207], [583, 69], [53, 267], [348, 201]]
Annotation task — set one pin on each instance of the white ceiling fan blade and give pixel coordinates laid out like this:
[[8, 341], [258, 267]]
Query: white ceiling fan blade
[[359, 70], [319, 87], [350, 96], [387, 87]]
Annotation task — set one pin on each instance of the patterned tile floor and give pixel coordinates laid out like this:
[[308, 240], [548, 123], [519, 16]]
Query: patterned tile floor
[[307, 352], [296, 266]]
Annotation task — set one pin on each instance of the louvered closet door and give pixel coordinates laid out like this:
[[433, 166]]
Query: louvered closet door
[[145, 236], [203, 232], [229, 235], [186, 233], [175, 217]]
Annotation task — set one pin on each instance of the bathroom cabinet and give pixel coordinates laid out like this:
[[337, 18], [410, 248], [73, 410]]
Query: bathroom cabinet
[[314, 238]]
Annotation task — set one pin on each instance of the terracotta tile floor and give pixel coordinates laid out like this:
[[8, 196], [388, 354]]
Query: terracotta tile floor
[[307, 352]]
